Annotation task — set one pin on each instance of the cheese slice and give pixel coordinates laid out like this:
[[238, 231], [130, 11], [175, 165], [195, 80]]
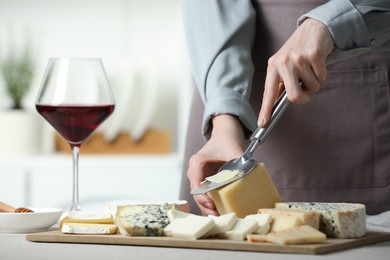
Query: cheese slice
[[298, 235], [173, 224], [246, 195], [263, 221], [85, 217], [280, 223], [307, 217], [240, 230], [340, 220], [174, 214], [191, 227], [87, 228], [223, 175], [222, 223]]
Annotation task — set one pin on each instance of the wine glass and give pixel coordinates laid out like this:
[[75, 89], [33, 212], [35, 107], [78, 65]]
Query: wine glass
[[75, 98]]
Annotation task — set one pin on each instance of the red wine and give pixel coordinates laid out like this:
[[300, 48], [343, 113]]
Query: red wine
[[75, 122]]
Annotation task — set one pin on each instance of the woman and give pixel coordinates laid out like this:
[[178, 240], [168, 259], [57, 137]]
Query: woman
[[335, 147]]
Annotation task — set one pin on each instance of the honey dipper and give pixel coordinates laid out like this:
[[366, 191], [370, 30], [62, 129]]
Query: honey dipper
[[7, 208]]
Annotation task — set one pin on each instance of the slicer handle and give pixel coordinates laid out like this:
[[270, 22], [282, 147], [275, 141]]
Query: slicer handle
[[280, 106]]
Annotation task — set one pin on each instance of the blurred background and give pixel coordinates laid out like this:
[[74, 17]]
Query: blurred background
[[142, 47]]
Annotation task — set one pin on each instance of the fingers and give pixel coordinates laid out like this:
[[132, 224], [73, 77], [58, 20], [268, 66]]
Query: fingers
[[206, 205], [199, 168]]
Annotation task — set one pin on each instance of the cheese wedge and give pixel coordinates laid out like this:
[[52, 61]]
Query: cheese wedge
[[85, 217], [263, 221], [87, 228], [307, 217], [298, 235], [340, 220], [240, 230], [222, 223], [245, 196], [191, 227], [142, 220], [280, 223]]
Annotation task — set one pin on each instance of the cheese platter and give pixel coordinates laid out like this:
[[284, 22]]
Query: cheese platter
[[327, 246]]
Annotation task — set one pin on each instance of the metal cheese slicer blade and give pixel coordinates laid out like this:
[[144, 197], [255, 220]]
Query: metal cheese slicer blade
[[246, 163]]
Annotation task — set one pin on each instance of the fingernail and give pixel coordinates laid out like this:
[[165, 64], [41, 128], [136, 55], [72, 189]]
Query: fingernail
[[208, 205], [261, 121]]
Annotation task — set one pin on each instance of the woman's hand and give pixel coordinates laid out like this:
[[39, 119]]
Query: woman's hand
[[226, 142], [299, 66]]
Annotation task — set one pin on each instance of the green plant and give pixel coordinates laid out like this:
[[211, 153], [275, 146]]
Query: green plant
[[17, 73]]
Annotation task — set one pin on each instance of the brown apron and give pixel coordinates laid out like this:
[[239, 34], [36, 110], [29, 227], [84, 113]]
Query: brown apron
[[335, 147]]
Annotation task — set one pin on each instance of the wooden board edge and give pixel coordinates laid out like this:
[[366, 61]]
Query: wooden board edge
[[329, 246]]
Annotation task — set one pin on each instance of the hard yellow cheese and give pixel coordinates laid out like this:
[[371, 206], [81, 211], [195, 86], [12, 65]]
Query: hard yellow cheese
[[245, 196], [296, 235], [284, 218]]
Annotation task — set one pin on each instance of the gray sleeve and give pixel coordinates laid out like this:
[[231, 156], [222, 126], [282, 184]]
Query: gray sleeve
[[357, 26], [219, 35]]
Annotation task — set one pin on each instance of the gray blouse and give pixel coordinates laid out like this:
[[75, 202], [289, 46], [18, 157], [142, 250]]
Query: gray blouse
[[220, 44]]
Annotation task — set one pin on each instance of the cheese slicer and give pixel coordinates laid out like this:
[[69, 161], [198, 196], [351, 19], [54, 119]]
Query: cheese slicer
[[246, 163]]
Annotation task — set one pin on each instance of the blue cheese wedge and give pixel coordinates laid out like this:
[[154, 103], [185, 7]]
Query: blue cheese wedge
[[142, 220], [340, 220]]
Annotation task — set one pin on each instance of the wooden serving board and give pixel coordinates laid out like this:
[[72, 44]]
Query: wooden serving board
[[330, 245]]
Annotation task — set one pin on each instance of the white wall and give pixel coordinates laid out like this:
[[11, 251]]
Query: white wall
[[139, 41]]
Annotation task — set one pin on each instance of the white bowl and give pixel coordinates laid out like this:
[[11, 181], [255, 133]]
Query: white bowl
[[39, 220]]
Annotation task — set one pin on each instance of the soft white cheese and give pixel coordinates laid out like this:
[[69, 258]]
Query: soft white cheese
[[263, 221], [222, 223], [241, 229], [191, 227], [85, 228]]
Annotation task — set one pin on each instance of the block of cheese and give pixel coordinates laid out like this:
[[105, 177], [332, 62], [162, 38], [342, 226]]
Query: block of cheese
[[222, 223], [240, 230], [142, 220], [85, 217], [307, 217], [304, 234], [246, 195], [280, 223], [263, 221], [340, 220], [191, 227], [87, 228]]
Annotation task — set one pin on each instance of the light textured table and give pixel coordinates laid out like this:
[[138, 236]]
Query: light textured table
[[15, 246]]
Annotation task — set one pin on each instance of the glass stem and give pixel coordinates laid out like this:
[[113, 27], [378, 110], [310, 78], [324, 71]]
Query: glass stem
[[75, 199]]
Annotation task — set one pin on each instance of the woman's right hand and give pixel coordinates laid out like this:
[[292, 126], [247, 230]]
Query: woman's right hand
[[226, 143]]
